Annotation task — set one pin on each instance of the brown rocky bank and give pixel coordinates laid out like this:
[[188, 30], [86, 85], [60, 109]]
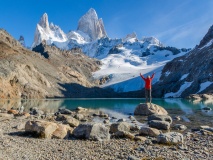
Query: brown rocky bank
[[125, 143]]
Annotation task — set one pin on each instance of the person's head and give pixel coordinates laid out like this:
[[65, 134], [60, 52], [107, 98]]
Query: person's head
[[148, 76]]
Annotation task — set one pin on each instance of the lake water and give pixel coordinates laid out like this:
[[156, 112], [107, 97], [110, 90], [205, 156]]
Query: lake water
[[190, 111]]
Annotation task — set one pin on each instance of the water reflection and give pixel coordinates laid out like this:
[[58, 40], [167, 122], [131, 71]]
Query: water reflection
[[124, 106]]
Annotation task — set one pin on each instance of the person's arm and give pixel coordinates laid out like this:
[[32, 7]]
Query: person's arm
[[142, 77], [153, 75]]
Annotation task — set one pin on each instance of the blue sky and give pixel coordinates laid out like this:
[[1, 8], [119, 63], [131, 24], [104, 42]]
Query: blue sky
[[179, 23]]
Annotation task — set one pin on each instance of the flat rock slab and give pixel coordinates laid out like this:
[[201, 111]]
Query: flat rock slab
[[148, 131], [160, 118], [146, 109], [170, 138], [163, 125]]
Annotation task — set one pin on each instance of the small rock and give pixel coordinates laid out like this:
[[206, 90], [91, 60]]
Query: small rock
[[79, 116], [160, 118], [177, 118], [180, 127], [170, 138], [131, 157], [140, 138], [120, 126], [132, 118], [36, 111], [72, 121], [134, 128], [64, 111], [147, 131], [20, 126], [207, 109], [159, 124], [122, 120], [106, 121], [124, 134], [12, 111]]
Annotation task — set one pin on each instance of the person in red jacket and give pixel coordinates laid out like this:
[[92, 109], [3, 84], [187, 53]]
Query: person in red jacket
[[148, 87]]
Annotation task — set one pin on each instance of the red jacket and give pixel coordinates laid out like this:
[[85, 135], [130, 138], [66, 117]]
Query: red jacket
[[148, 81]]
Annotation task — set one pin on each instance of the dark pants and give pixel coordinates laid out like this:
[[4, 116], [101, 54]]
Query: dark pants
[[148, 95]]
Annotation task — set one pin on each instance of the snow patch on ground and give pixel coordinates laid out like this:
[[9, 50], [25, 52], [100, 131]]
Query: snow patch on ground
[[204, 85], [184, 76], [178, 93]]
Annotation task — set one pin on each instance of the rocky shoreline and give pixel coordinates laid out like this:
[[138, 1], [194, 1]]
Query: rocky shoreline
[[77, 135]]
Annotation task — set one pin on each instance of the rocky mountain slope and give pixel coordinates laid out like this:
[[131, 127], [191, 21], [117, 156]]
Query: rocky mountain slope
[[189, 74], [27, 74]]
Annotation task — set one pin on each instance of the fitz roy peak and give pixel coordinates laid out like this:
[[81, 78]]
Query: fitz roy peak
[[90, 28], [91, 25]]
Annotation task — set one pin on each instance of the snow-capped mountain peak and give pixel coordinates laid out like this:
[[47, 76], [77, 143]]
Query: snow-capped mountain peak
[[130, 38], [49, 32], [152, 40], [91, 25], [44, 23]]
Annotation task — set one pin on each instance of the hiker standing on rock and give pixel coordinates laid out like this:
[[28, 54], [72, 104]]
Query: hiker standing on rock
[[148, 87]]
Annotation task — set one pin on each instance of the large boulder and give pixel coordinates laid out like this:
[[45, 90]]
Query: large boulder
[[163, 125], [43, 129], [148, 131], [146, 109], [170, 138], [120, 126], [160, 118], [63, 131], [92, 131]]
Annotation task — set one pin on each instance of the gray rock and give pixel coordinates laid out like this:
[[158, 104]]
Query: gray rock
[[20, 126], [180, 127], [132, 118], [146, 109], [122, 120], [147, 131], [159, 124], [106, 121], [131, 157], [120, 126], [134, 128], [207, 109], [124, 134], [177, 118], [72, 121], [79, 116], [160, 118], [92, 131], [64, 111], [36, 111], [170, 138]]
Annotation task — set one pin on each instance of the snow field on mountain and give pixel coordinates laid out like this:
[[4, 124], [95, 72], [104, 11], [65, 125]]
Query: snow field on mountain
[[124, 68], [178, 93]]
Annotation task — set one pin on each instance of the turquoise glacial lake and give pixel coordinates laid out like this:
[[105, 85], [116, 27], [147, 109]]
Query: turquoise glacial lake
[[190, 111]]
